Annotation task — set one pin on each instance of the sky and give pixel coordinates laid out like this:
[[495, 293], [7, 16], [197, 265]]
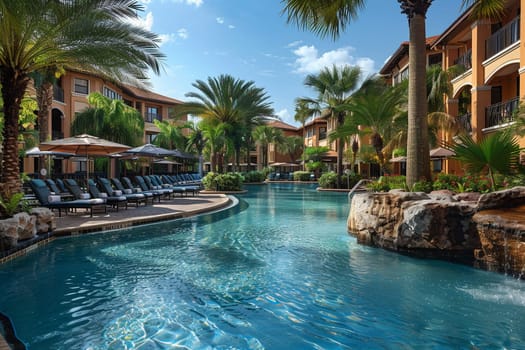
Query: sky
[[250, 40]]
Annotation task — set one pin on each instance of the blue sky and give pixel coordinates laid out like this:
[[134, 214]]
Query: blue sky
[[250, 40]]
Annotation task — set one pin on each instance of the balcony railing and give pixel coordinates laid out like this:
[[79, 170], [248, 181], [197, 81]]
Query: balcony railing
[[503, 38], [58, 93], [465, 60], [501, 113], [465, 121]]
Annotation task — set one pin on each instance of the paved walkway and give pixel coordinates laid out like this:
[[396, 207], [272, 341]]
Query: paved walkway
[[76, 223]]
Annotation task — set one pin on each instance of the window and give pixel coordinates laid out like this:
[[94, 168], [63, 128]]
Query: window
[[435, 59], [152, 113], [111, 94], [404, 74], [150, 138], [322, 133], [309, 132], [81, 86]]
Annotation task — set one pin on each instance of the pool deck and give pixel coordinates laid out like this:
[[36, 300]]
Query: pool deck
[[179, 207]]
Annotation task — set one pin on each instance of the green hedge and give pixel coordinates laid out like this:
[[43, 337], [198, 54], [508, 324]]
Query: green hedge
[[223, 182], [301, 175], [254, 176]]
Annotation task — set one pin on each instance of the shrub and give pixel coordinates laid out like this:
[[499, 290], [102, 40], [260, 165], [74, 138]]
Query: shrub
[[422, 186], [301, 175], [328, 180], [395, 182], [210, 181], [12, 205], [254, 176], [446, 182], [349, 181], [229, 182], [379, 186]]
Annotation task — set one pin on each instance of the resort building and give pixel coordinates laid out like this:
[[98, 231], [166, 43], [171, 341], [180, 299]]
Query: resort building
[[70, 97], [487, 92]]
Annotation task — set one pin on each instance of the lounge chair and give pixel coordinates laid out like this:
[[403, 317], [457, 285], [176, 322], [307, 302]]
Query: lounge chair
[[43, 194], [114, 201], [57, 191], [145, 188], [135, 198], [153, 185], [186, 188], [126, 185]]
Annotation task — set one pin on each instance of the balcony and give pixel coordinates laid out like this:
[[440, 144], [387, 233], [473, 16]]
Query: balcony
[[465, 121], [501, 113], [465, 60], [503, 38]]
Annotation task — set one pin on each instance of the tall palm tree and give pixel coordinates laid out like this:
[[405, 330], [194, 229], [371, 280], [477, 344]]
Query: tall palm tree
[[291, 146], [196, 140], [233, 103], [110, 119], [326, 17], [170, 135], [36, 36], [216, 141], [334, 87], [264, 135]]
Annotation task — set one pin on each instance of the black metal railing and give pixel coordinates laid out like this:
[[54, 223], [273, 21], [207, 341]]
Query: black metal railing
[[501, 113], [465, 121], [503, 38], [465, 60], [58, 93]]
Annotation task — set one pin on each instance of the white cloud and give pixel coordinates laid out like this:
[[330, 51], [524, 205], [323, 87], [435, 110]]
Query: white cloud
[[197, 3], [286, 117], [220, 20], [294, 44], [231, 26], [182, 33], [145, 23], [309, 61]]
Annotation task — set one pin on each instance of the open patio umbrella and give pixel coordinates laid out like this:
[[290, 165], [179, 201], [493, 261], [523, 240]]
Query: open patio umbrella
[[150, 151], [84, 145], [441, 152], [36, 152]]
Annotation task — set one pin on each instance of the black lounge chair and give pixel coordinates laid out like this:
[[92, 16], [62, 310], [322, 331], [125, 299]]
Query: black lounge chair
[[114, 201], [56, 190], [43, 194], [158, 181], [126, 185], [143, 187], [153, 185], [187, 188], [135, 198]]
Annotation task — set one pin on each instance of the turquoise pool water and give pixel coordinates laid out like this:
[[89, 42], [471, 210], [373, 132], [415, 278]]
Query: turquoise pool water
[[279, 271]]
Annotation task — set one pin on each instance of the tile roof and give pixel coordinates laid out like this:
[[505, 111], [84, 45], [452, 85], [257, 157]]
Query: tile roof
[[401, 52], [280, 125], [148, 95]]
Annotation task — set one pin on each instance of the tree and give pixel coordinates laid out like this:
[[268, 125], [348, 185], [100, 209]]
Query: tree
[[170, 135], [291, 146], [326, 17], [111, 120], [302, 113], [264, 135], [38, 36], [334, 87], [496, 153], [216, 141], [230, 102], [196, 140]]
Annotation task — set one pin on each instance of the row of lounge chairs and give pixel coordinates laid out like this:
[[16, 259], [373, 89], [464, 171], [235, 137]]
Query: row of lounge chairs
[[116, 193]]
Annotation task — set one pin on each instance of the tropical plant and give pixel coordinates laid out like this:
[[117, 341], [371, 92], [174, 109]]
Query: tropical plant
[[291, 146], [35, 36], [196, 141], [328, 180], [233, 103], [301, 175], [264, 135], [170, 135], [334, 87], [331, 20], [254, 176], [110, 119], [216, 140], [496, 153], [12, 204]]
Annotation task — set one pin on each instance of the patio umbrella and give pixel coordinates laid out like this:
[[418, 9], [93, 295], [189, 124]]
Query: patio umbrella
[[149, 150], [84, 145], [441, 152], [35, 152]]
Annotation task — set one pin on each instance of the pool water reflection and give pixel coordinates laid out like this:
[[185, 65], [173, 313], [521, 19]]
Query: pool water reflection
[[279, 271]]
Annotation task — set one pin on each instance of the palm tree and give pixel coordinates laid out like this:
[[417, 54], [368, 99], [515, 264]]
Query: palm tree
[[111, 120], [170, 135], [496, 153], [302, 113], [230, 102], [264, 135], [36, 36], [216, 141], [326, 17], [334, 87], [196, 140], [291, 146]]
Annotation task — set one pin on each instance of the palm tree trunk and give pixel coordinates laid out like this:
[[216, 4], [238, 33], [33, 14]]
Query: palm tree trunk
[[418, 157], [44, 98], [10, 170], [340, 144]]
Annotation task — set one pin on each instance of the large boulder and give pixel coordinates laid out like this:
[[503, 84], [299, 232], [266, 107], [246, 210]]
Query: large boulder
[[45, 219], [26, 225], [433, 225], [8, 234]]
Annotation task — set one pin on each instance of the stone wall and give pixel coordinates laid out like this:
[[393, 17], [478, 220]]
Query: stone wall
[[456, 227]]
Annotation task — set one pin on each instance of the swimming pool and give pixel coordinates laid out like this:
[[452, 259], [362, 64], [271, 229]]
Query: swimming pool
[[279, 271]]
